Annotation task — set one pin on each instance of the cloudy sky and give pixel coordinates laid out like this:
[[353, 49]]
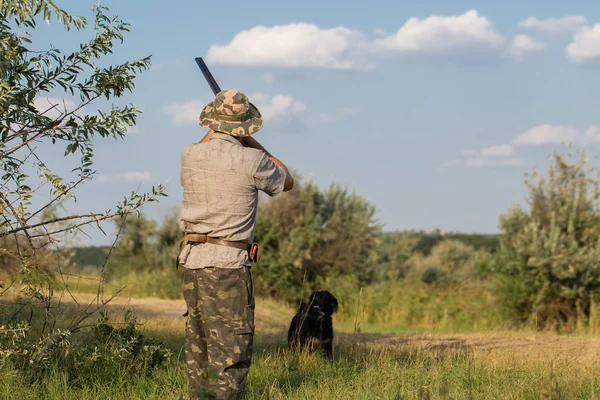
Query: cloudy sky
[[433, 110]]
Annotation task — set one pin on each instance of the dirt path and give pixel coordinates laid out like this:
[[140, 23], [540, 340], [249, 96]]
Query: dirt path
[[269, 318], [272, 319]]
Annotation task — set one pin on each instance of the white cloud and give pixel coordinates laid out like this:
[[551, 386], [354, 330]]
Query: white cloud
[[307, 45], [569, 24], [186, 113], [523, 44], [503, 150], [53, 107], [499, 155], [592, 135], [547, 134], [442, 35], [291, 45], [483, 162], [380, 32], [132, 176], [333, 116], [258, 97], [277, 106], [474, 162], [585, 46], [505, 154]]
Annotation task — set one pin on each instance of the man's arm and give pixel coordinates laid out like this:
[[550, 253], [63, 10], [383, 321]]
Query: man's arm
[[249, 141]]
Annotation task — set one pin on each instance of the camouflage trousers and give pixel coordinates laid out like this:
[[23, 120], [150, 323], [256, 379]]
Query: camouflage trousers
[[219, 331]]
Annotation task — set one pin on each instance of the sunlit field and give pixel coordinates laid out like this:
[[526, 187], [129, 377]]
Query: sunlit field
[[401, 363]]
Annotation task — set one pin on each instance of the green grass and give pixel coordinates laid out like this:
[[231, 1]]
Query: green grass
[[360, 371], [401, 358]]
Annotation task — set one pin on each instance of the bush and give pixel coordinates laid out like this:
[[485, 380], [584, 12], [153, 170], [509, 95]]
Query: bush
[[311, 234], [549, 260], [449, 262], [106, 351]]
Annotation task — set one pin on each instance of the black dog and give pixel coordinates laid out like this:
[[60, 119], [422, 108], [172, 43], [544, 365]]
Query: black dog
[[313, 321]]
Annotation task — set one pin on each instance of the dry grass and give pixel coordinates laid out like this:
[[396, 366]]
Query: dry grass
[[413, 364], [272, 320]]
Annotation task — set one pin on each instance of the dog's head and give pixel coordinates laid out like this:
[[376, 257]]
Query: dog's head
[[322, 302]]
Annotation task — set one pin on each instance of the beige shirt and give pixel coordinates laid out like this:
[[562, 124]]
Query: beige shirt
[[221, 179]]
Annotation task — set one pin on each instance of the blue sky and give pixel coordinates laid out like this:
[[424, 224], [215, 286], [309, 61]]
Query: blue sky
[[432, 110]]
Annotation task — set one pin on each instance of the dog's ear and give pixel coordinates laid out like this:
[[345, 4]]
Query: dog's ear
[[334, 303]]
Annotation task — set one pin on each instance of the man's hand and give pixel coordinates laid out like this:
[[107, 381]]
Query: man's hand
[[289, 181]]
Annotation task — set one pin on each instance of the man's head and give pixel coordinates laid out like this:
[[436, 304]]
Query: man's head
[[231, 112]]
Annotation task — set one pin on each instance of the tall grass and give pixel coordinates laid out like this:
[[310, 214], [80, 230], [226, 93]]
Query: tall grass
[[398, 305], [366, 366], [360, 371]]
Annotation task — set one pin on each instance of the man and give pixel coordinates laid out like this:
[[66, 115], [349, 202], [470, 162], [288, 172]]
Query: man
[[221, 176]]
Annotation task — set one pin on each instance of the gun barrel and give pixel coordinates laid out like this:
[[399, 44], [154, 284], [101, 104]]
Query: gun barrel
[[214, 86]]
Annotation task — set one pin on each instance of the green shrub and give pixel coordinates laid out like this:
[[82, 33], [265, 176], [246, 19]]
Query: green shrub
[[311, 234], [108, 351], [548, 263], [448, 263]]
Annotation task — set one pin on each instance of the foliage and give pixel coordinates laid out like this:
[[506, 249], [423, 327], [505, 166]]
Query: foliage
[[144, 258], [61, 102], [27, 77], [309, 234], [395, 249], [415, 365], [548, 263], [450, 262], [89, 259], [407, 304], [121, 349], [434, 257]]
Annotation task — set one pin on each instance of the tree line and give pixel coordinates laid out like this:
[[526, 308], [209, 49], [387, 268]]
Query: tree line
[[543, 265]]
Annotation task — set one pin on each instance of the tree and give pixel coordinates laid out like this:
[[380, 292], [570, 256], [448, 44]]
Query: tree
[[30, 192], [395, 250], [144, 258], [309, 234], [549, 258], [449, 262]]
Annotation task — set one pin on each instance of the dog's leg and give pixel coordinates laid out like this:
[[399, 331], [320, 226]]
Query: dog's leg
[[305, 341], [327, 345], [326, 336], [293, 333]]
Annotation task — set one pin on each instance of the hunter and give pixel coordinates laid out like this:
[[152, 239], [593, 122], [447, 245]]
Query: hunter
[[221, 177]]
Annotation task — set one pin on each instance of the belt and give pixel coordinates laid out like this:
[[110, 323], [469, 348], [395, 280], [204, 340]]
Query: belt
[[199, 238]]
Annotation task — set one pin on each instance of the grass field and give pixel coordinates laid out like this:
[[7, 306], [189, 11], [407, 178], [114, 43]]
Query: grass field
[[402, 363]]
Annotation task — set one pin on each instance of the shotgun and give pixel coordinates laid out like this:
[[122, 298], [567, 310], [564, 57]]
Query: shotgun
[[214, 86]]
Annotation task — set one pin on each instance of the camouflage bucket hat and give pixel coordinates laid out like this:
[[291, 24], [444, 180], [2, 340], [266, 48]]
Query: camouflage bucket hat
[[231, 112]]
